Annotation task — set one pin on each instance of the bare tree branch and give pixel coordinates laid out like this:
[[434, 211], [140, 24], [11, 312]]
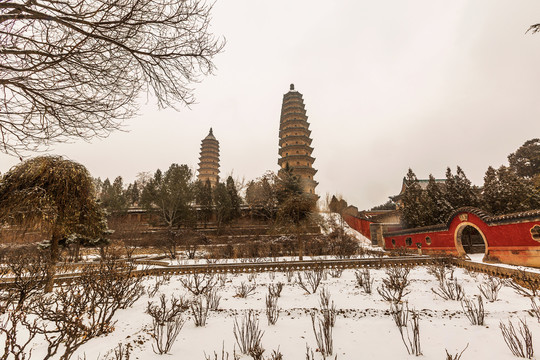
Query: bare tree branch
[[75, 68]]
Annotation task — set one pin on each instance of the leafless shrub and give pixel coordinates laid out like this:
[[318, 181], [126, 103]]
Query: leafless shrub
[[200, 308], [67, 318], [153, 288], [27, 268], [222, 279], [272, 310], [535, 309], [13, 324], [165, 335], [252, 277], [328, 309], [449, 290], [441, 271], [108, 287], [310, 355], [289, 273], [312, 280], [519, 344], [276, 355], [257, 353], [524, 284], [335, 273], [359, 277], [275, 289], [167, 321], [198, 283], [322, 329], [411, 344], [212, 299], [247, 334], [400, 313], [395, 283], [120, 352], [474, 313], [490, 288], [245, 289], [364, 280], [457, 356], [163, 313], [223, 355]]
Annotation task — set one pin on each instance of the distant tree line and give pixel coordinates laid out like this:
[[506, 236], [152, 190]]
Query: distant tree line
[[507, 189], [175, 195], [181, 201]]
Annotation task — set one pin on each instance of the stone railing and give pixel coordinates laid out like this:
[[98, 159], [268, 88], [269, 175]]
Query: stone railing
[[264, 266]]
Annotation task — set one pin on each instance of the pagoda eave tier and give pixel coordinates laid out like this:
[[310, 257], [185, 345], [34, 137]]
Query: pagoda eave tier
[[302, 170], [292, 97], [307, 170], [293, 147], [305, 139], [208, 169], [294, 131], [209, 159], [300, 123], [293, 111], [210, 150], [292, 158]]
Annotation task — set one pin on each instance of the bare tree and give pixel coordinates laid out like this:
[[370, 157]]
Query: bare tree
[[77, 68]]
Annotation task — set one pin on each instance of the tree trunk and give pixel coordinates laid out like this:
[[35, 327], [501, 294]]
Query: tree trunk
[[300, 242], [53, 259]]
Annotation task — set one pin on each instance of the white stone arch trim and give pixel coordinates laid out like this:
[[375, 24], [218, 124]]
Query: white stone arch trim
[[457, 238]]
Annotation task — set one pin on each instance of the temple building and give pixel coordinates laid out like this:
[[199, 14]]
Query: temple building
[[295, 140], [209, 159]]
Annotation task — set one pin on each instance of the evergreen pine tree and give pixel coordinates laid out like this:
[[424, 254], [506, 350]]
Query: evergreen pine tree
[[526, 160], [467, 194], [133, 193], [235, 198], [506, 192], [413, 208], [223, 203], [203, 198], [459, 190], [113, 196], [491, 200], [437, 208]]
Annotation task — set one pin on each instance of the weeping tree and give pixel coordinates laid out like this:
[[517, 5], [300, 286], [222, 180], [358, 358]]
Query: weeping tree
[[56, 195]]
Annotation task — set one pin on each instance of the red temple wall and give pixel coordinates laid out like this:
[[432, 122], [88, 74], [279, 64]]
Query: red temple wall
[[509, 243]]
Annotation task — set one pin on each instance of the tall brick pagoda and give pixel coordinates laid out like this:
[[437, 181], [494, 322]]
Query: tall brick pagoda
[[295, 140], [209, 159]]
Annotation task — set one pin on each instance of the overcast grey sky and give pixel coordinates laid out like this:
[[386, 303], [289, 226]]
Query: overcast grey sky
[[387, 85]]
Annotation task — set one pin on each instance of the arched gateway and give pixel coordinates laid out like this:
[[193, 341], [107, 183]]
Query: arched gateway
[[469, 239]]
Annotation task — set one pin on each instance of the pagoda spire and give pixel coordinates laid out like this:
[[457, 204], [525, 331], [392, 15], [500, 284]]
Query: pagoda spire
[[295, 140], [209, 159]]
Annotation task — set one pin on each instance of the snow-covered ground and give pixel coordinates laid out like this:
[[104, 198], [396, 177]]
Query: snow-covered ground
[[364, 328], [336, 219]]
